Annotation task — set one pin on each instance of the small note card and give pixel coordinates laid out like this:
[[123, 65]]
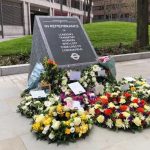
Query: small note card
[[75, 75], [77, 88], [74, 105], [77, 105], [38, 94]]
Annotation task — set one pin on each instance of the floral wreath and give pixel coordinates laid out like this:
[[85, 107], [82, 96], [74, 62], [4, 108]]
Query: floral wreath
[[30, 106], [61, 124], [121, 111], [138, 87]]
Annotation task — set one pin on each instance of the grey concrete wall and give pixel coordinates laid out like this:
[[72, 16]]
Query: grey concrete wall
[[13, 30]]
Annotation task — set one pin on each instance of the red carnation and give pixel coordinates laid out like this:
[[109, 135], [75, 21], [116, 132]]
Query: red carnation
[[108, 112], [118, 100], [140, 110], [97, 99], [114, 99], [108, 95], [121, 116], [143, 102], [123, 107], [127, 95], [97, 111], [104, 101], [113, 119], [135, 101]]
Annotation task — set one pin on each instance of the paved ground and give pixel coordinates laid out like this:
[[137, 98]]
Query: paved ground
[[7, 38], [15, 130]]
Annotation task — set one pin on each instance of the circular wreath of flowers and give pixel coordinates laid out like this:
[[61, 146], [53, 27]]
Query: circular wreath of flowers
[[61, 124], [138, 87], [121, 111], [30, 106]]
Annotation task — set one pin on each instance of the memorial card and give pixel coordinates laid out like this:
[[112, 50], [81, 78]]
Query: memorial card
[[38, 94], [77, 88], [75, 75]]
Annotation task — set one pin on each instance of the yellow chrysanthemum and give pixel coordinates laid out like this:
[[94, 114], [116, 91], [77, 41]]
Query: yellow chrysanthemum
[[59, 109], [67, 131], [77, 129], [39, 118], [111, 105], [133, 88], [47, 121], [83, 128], [100, 119], [122, 101], [137, 121], [147, 107], [84, 117], [36, 126], [126, 114], [119, 123], [67, 114], [51, 110]]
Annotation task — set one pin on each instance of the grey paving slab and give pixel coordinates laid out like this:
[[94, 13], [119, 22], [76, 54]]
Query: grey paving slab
[[12, 144], [99, 139], [137, 143], [4, 108], [12, 125], [15, 129], [12, 103], [133, 68], [9, 90]]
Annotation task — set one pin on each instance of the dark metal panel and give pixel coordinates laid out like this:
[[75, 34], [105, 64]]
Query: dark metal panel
[[12, 13]]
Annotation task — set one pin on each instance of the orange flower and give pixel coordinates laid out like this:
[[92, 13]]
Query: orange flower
[[67, 131], [104, 100], [133, 88], [51, 62]]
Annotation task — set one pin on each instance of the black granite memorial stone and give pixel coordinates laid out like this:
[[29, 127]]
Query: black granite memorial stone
[[63, 40]]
